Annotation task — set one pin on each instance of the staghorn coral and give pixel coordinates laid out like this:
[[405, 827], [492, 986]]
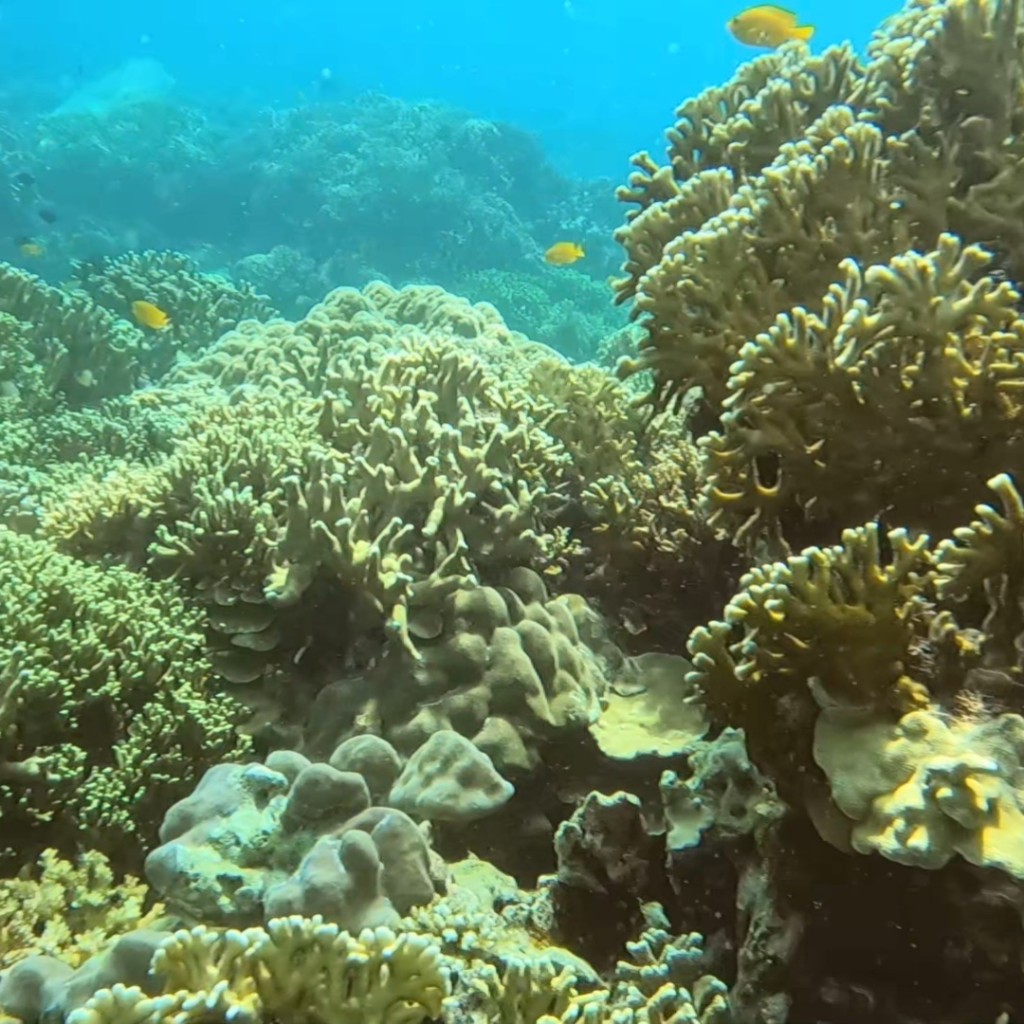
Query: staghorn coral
[[720, 139], [842, 619], [122, 658], [393, 477], [754, 213], [778, 244]]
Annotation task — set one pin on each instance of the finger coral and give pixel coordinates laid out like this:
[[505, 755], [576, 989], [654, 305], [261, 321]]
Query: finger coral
[[297, 969]]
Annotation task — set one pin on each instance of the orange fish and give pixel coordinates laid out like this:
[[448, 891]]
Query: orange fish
[[767, 25], [29, 247], [149, 315], [562, 253]]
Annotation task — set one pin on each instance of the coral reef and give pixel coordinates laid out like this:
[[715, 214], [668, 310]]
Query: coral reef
[[61, 345], [382, 609], [122, 658], [69, 911], [201, 307]]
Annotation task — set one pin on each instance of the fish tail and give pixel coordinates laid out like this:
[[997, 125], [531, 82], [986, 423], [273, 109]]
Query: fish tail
[[803, 32]]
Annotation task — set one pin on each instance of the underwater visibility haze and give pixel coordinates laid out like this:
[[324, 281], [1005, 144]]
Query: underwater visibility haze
[[512, 514]]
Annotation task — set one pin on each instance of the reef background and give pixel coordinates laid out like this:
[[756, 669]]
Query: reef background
[[377, 663]]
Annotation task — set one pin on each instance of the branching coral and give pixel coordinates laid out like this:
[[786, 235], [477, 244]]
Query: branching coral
[[297, 969], [913, 713], [201, 306], [70, 911], [912, 371], [122, 658], [734, 261]]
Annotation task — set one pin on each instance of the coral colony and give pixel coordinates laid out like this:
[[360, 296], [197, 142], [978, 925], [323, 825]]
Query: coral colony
[[378, 664]]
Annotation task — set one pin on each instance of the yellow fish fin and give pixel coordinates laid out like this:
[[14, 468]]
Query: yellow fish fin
[[803, 32]]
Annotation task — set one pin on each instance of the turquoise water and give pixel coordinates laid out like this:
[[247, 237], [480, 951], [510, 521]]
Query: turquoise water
[[593, 79], [457, 569]]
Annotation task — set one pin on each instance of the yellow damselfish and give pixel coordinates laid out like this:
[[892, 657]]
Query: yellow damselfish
[[767, 25], [29, 247], [564, 252], [149, 315]]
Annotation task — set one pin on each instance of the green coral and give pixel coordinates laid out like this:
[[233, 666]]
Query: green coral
[[122, 659], [66, 345], [201, 306]]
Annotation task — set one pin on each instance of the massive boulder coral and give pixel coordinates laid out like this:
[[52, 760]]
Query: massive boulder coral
[[507, 667], [258, 841], [122, 660]]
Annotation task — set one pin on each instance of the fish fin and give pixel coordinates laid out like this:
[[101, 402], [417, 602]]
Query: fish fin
[[803, 32], [785, 12]]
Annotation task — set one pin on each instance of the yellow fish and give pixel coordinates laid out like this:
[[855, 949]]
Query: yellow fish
[[767, 25], [564, 252], [29, 247], [149, 315]]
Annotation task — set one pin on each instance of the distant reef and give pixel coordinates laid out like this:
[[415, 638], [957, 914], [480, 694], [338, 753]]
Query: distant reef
[[381, 665], [301, 200]]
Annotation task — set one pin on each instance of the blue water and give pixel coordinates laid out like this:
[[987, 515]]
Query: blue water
[[595, 79]]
